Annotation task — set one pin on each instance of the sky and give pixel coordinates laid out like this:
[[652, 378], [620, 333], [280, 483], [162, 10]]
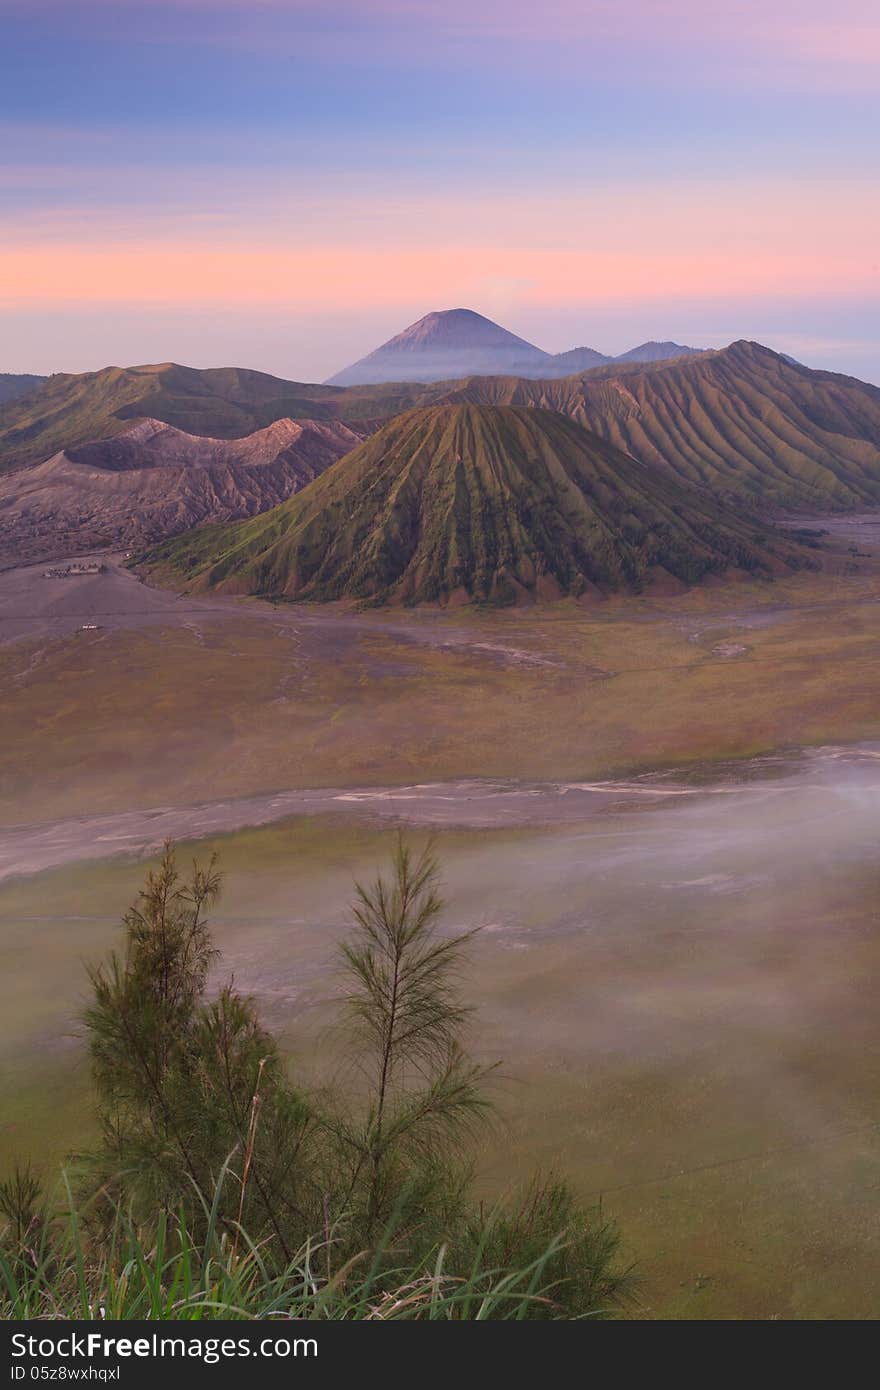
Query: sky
[[284, 185]]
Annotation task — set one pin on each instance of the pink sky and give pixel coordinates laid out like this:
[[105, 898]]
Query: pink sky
[[707, 239], [369, 160]]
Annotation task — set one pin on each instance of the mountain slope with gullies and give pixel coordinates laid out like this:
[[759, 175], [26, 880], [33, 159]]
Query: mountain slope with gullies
[[153, 480], [459, 503], [67, 410], [743, 422]]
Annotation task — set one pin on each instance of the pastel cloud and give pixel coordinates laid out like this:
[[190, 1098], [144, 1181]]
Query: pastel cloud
[[769, 40], [315, 277], [654, 241]]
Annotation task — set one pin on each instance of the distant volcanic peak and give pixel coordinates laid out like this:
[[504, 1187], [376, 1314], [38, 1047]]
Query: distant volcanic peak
[[465, 328], [443, 346], [449, 344], [657, 352], [579, 359]]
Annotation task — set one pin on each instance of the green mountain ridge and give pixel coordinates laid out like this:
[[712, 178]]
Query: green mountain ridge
[[743, 422], [219, 403], [462, 502]]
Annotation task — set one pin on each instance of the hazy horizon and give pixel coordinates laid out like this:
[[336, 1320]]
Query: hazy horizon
[[246, 351]]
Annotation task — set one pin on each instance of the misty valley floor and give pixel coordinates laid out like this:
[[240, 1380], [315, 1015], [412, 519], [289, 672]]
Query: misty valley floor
[[683, 998], [682, 987]]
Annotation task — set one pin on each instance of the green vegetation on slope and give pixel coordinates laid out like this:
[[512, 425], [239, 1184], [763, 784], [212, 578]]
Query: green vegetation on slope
[[222, 403], [485, 503], [743, 422]]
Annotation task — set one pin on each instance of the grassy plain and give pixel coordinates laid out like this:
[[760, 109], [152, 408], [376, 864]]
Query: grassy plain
[[198, 708]]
